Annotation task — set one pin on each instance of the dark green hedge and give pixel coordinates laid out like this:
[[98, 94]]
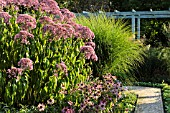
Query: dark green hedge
[[111, 5]]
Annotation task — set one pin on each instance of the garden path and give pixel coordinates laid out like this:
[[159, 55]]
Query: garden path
[[149, 99]]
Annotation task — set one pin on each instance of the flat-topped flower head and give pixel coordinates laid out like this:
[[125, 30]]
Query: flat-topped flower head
[[26, 21], [2, 4], [23, 37], [46, 20], [85, 32], [69, 31], [5, 16], [89, 52], [92, 44], [48, 6], [67, 14], [26, 63], [26, 3], [13, 72]]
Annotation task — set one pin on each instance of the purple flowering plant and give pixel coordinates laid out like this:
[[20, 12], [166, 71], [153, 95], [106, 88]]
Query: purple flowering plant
[[46, 60], [100, 95], [40, 52]]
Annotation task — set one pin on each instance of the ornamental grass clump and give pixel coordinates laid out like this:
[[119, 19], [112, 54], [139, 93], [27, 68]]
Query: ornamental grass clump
[[40, 53], [118, 53]]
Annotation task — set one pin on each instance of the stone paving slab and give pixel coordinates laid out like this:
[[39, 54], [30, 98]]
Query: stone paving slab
[[149, 99]]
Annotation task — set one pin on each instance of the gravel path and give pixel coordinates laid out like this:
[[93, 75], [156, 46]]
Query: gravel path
[[149, 99]]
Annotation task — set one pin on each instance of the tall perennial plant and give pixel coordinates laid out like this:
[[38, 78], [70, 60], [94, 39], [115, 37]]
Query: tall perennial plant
[[43, 53]]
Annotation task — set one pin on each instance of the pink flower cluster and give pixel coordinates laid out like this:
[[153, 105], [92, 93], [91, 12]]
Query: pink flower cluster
[[82, 31], [23, 36], [67, 110], [67, 14], [89, 52], [59, 30], [27, 3], [5, 16], [46, 20], [48, 6], [13, 72], [99, 94], [69, 29], [26, 21], [26, 63], [63, 67], [2, 4], [92, 44]]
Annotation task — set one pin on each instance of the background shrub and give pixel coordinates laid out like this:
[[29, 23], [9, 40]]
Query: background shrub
[[111, 5], [155, 67]]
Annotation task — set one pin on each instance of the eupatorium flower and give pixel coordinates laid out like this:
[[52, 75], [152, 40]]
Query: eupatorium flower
[[26, 3], [69, 31], [46, 20], [2, 4], [48, 6], [85, 32], [86, 49], [26, 63], [5, 16], [63, 67], [67, 14], [92, 44], [82, 31], [13, 72], [59, 30], [89, 52], [23, 36], [27, 21]]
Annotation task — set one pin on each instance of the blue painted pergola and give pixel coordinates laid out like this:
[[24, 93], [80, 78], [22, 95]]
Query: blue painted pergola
[[133, 15]]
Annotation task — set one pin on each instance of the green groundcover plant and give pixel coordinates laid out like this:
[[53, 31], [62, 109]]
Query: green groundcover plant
[[45, 60]]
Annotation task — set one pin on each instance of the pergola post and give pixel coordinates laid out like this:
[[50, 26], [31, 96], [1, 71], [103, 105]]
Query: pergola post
[[133, 25], [138, 28]]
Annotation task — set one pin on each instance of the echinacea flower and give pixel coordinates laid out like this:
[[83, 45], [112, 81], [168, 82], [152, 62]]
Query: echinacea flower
[[50, 101], [70, 103], [102, 105], [41, 107], [67, 110]]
